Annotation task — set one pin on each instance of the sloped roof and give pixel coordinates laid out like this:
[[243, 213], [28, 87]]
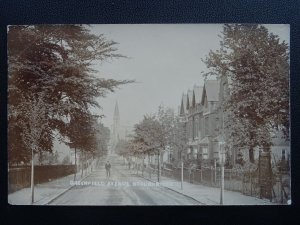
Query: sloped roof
[[278, 139], [219, 139], [190, 98], [212, 88], [183, 104], [204, 141], [198, 93]]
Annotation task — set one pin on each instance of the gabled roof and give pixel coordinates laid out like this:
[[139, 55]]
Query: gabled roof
[[197, 93], [211, 90], [183, 105], [204, 141], [278, 139], [189, 98]]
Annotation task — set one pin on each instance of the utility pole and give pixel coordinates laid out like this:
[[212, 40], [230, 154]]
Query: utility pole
[[32, 176], [222, 184], [158, 165], [181, 170], [222, 163], [181, 174], [215, 171]]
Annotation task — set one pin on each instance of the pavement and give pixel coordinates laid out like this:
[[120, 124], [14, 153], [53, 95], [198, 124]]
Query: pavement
[[124, 187], [209, 195], [127, 187], [46, 192]]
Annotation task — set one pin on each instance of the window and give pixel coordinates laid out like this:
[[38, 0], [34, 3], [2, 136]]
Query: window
[[283, 154], [204, 153], [199, 128], [206, 126], [191, 129], [195, 127], [189, 124]]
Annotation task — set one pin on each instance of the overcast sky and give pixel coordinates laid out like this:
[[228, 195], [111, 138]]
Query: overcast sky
[[165, 61]]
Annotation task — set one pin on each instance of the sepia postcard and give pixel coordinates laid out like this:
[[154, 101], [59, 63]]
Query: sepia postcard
[[149, 114]]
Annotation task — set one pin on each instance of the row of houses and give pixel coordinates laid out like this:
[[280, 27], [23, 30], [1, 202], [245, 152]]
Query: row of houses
[[202, 116]]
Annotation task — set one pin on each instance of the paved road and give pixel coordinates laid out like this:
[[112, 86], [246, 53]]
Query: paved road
[[119, 189]]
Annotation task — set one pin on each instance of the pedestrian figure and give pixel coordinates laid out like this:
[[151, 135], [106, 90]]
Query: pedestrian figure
[[107, 168]]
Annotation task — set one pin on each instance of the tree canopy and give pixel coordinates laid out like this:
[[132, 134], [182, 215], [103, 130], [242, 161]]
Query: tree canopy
[[54, 62], [154, 133], [257, 64]]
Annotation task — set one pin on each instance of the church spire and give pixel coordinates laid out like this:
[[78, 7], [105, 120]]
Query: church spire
[[116, 112], [116, 126]]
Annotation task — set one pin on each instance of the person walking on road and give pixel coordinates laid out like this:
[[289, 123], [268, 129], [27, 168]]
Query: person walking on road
[[107, 168]]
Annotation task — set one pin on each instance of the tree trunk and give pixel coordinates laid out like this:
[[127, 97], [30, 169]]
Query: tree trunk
[[75, 166], [149, 167], [143, 165], [181, 174], [82, 166], [222, 184], [251, 154], [158, 165], [32, 176]]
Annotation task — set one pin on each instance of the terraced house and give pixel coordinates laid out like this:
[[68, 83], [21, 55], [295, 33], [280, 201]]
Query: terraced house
[[201, 111], [204, 118]]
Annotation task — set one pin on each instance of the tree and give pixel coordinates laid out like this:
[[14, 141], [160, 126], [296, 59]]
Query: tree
[[154, 133], [166, 118], [148, 138], [31, 116], [35, 125], [66, 160], [122, 148], [82, 132], [179, 142], [28, 129], [257, 64], [102, 136], [148, 134], [87, 136], [55, 62]]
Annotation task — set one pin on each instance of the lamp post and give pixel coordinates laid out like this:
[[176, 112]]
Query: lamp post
[[222, 164], [32, 176], [181, 158]]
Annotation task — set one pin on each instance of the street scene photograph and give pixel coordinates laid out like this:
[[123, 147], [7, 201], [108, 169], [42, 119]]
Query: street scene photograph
[[149, 114]]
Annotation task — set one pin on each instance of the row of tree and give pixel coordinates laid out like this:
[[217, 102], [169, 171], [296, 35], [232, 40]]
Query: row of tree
[[153, 135], [52, 87]]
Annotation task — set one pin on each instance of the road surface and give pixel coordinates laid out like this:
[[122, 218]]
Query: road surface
[[124, 187]]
